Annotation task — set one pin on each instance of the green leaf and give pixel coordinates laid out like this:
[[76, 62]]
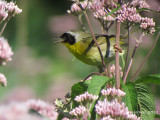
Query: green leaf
[[143, 9], [96, 84], [95, 87], [79, 88], [60, 116], [114, 10], [157, 116], [145, 101], [131, 96], [154, 79]]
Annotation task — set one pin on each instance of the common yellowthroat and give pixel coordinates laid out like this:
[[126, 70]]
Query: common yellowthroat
[[83, 47]]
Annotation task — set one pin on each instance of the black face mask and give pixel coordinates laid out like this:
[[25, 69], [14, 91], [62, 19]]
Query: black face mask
[[68, 38]]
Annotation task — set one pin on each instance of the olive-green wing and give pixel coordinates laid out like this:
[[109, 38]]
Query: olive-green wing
[[101, 39]]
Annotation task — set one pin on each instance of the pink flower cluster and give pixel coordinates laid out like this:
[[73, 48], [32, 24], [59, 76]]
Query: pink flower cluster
[[86, 97], [43, 108], [5, 51], [20, 110], [99, 4], [112, 91], [147, 23], [7, 9], [3, 13], [143, 4], [96, 6], [113, 70], [78, 111], [76, 9], [13, 9], [102, 14], [140, 4], [114, 109], [17, 111], [127, 13], [3, 80], [107, 118], [130, 13], [99, 9]]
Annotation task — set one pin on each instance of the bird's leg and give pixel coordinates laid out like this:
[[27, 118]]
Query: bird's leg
[[108, 69], [117, 48]]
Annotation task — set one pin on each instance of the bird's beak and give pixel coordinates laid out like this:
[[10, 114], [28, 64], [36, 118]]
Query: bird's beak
[[60, 40]]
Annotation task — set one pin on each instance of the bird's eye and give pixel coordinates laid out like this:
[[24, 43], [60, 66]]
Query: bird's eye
[[69, 38]]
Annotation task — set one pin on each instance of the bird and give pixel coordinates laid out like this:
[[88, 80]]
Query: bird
[[83, 47]]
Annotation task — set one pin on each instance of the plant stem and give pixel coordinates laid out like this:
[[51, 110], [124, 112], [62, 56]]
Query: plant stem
[[110, 25], [117, 55], [146, 57], [108, 69], [90, 27], [117, 76], [4, 26], [124, 71], [94, 73], [130, 63], [131, 60]]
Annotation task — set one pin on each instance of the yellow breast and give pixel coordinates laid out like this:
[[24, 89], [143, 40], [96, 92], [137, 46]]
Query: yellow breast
[[87, 51]]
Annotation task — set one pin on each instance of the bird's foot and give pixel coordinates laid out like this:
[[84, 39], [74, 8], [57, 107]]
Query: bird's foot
[[117, 48]]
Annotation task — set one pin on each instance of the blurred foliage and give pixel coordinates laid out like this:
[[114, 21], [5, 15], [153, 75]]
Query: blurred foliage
[[31, 41]]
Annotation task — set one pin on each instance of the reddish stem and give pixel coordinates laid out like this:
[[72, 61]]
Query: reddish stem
[[90, 27], [146, 57], [117, 56]]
